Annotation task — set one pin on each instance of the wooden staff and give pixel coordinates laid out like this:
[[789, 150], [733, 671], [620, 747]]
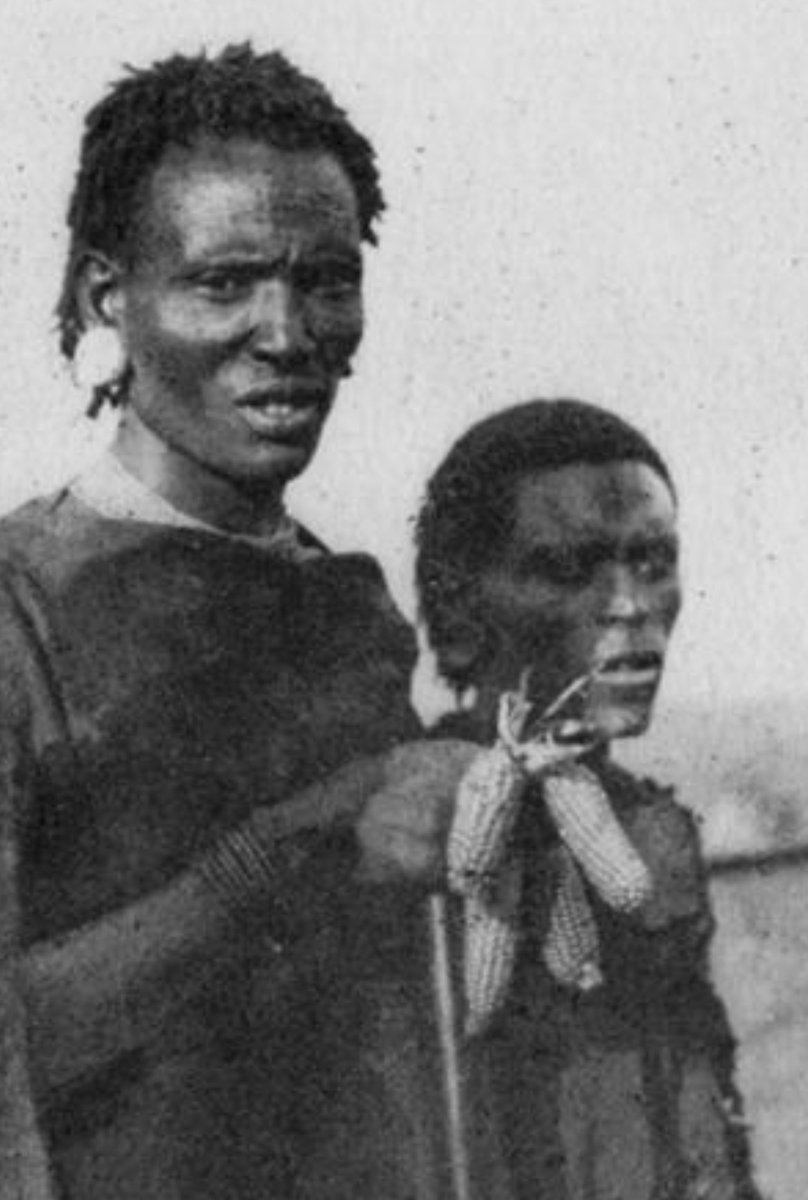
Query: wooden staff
[[446, 1015]]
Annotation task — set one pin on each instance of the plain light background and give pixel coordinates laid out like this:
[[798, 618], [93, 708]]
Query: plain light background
[[597, 198]]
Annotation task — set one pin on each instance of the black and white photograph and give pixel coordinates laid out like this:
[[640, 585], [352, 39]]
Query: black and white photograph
[[403, 541]]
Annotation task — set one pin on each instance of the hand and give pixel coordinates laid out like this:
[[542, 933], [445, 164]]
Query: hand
[[404, 827], [554, 747], [332, 803], [547, 746]]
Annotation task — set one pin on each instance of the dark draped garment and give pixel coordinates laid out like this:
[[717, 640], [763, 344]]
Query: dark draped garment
[[156, 684], [625, 1092]]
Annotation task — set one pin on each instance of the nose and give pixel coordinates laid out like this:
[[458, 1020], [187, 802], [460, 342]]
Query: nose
[[280, 333], [625, 599]]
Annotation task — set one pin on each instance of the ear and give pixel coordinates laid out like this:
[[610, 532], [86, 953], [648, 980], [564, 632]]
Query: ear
[[465, 643], [99, 292]]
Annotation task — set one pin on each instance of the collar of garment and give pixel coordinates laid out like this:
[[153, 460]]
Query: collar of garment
[[113, 492]]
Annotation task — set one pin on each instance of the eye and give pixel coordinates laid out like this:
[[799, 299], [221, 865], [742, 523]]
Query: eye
[[562, 566], [337, 291], [656, 560], [223, 286], [573, 569], [333, 281]]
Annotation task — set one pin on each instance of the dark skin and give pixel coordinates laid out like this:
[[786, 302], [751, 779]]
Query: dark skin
[[588, 576], [238, 315]]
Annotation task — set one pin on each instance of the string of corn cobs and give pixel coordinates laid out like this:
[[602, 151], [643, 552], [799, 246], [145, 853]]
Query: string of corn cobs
[[485, 871]]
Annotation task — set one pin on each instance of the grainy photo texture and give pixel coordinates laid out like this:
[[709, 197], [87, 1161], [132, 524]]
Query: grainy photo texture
[[402, 517]]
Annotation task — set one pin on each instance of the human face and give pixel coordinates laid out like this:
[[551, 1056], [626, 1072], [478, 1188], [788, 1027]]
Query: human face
[[242, 308], [587, 580]]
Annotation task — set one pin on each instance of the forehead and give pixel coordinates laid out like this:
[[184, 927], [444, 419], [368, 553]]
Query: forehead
[[220, 192], [610, 500]]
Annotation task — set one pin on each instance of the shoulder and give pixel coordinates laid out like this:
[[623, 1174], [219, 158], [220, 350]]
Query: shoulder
[[26, 549], [644, 803], [349, 593], [667, 837], [354, 573], [50, 531], [24, 530], [455, 725]]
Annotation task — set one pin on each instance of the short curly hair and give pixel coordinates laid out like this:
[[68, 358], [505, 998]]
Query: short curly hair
[[236, 93], [468, 511]]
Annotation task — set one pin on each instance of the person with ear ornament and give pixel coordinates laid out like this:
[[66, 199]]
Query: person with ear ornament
[[227, 813]]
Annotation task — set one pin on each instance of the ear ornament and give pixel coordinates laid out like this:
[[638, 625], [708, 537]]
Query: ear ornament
[[99, 359]]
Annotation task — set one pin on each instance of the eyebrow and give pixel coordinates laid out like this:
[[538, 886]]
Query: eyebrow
[[236, 254], [599, 549], [252, 264]]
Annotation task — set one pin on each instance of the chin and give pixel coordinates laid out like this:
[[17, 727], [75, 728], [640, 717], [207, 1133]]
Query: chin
[[622, 722], [276, 469]]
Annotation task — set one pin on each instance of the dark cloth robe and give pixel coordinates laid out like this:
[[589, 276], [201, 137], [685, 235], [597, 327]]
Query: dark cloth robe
[[156, 684]]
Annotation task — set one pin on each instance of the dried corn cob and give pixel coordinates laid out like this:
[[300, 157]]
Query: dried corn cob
[[486, 809], [487, 804], [584, 819], [571, 950], [489, 794], [480, 870], [491, 935]]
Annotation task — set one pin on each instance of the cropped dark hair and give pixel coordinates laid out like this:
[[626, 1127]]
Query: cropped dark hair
[[468, 511], [236, 93]]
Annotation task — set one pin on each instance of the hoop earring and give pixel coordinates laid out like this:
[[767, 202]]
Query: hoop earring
[[99, 359]]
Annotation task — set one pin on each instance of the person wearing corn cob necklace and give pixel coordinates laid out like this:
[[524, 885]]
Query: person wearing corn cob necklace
[[206, 738], [595, 1048]]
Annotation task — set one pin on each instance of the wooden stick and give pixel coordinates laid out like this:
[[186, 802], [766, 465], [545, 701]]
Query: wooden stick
[[446, 1014]]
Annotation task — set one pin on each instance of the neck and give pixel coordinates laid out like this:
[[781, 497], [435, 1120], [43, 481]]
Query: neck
[[191, 487], [483, 714], [482, 720]]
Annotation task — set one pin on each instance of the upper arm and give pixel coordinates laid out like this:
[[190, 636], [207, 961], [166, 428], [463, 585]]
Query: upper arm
[[31, 712], [21, 1151]]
